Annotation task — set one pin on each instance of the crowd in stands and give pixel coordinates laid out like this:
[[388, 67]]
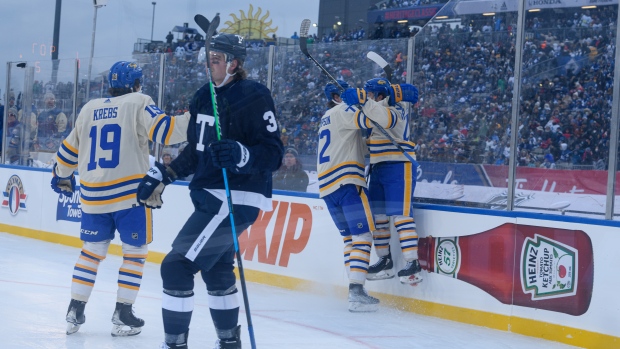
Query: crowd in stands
[[388, 4], [466, 80], [465, 76]]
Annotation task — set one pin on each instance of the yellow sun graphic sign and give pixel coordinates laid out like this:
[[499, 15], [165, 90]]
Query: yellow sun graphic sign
[[251, 26]]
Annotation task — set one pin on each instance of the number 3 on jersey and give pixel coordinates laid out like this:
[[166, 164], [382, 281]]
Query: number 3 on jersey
[[108, 139], [205, 120]]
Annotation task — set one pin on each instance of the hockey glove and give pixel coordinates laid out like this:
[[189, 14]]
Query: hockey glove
[[152, 185], [354, 96], [403, 93], [232, 155], [63, 185]]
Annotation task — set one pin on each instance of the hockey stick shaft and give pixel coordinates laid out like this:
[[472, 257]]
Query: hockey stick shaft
[[209, 30]]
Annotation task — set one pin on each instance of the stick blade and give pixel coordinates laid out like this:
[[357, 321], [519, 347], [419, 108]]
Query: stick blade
[[209, 27], [303, 37], [304, 29], [202, 22], [215, 22], [373, 56]]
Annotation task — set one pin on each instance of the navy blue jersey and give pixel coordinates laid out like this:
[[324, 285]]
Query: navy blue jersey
[[247, 115]]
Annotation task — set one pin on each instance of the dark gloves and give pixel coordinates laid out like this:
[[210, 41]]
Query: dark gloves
[[63, 185], [231, 155], [153, 184]]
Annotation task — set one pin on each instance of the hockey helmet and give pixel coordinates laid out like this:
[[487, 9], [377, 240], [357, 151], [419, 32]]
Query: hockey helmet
[[331, 88], [232, 45], [124, 74], [378, 86]]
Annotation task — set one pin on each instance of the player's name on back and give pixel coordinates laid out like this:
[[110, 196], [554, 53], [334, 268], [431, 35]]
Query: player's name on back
[[325, 121], [105, 113]]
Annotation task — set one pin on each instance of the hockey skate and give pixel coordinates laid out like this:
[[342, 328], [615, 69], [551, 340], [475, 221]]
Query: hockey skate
[[383, 269], [123, 317], [360, 301], [165, 345], [231, 343], [75, 316], [410, 274]]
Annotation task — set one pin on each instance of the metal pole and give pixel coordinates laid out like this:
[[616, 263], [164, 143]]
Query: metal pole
[[270, 67], [409, 79], [613, 137], [158, 148], [153, 20], [516, 94], [6, 111], [55, 42], [92, 53], [76, 80]]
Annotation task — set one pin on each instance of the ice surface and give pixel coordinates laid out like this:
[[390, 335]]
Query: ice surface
[[35, 278]]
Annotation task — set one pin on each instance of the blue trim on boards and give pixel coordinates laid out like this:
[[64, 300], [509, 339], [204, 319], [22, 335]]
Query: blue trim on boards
[[296, 194], [519, 214], [26, 168]]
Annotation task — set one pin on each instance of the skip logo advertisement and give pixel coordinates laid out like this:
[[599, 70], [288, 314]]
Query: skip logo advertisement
[[69, 208], [14, 197], [291, 231]]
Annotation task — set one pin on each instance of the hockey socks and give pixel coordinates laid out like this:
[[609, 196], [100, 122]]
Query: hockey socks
[[85, 270], [381, 236], [130, 273], [408, 236], [348, 247], [360, 257]]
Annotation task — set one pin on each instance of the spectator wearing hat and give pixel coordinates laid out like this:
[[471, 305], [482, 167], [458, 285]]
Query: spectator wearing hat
[[290, 176], [548, 161], [51, 125], [166, 159], [13, 137]]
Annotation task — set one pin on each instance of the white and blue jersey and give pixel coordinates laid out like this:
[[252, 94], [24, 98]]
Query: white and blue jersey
[[109, 147]]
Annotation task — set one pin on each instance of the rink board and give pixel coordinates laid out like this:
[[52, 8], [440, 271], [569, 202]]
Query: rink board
[[296, 246]]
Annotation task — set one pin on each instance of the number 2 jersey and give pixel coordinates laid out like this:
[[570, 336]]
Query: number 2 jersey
[[246, 114], [109, 148], [342, 145]]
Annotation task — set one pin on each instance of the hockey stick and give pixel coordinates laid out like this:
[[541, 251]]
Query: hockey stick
[[209, 28]]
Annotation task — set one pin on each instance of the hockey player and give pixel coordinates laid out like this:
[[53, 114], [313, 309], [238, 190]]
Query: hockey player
[[109, 148], [341, 183], [250, 150], [392, 183]]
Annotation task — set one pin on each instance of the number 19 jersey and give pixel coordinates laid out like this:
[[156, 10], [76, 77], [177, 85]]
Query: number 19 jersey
[[109, 148]]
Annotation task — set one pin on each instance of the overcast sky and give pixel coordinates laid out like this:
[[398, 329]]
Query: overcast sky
[[27, 26]]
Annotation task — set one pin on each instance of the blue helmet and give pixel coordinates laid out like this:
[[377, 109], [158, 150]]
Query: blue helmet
[[378, 86], [331, 88], [124, 74]]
